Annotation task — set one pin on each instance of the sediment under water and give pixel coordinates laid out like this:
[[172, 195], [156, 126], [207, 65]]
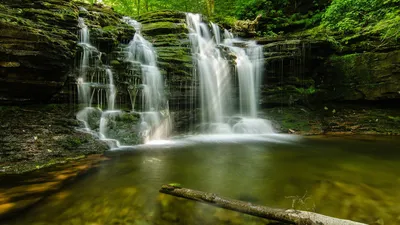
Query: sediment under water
[[356, 179]]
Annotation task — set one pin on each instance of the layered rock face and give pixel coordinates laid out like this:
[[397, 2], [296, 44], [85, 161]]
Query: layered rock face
[[291, 67], [169, 35], [371, 76], [37, 48], [39, 59], [39, 44], [311, 86]]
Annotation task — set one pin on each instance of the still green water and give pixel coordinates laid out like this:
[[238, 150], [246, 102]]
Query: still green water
[[357, 179]]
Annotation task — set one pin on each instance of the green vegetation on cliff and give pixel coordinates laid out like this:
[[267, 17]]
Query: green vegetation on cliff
[[377, 20]]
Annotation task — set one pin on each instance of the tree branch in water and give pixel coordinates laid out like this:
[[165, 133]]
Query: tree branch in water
[[290, 216]]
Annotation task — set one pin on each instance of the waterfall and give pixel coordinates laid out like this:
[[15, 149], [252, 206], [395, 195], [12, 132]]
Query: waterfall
[[213, 71], [111, 90], [249, 66], [95, 87], [212, 54], [155, 117], [97, 92]]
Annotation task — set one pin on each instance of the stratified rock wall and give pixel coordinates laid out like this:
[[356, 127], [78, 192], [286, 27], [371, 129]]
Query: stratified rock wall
[[168, 33], [291, 66], [37, 48], [369, 76]]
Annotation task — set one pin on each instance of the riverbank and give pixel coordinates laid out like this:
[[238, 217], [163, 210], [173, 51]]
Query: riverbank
[[37, 136]]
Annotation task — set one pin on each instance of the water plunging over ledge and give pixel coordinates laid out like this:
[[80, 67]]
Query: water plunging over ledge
[[224, 65], [227, 77], [97, 92]]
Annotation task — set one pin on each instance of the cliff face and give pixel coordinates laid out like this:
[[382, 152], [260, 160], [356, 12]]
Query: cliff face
[[38, 64], [169, 35], [371, 76], [37, 48], [336, 83], [309, 85]]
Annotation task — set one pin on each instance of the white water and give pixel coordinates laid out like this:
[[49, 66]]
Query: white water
[[249, 67], [216, 79], [111, 90], [155, 117], [213, 71], [96, 88]]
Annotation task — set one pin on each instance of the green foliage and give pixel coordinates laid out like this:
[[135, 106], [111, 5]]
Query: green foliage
[[306, 91], [380, 17], [251, 8], [352, 18]]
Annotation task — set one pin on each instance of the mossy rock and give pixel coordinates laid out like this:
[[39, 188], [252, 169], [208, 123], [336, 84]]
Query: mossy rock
[[46, 32], [163, 28], [363, 76], [162, 15]]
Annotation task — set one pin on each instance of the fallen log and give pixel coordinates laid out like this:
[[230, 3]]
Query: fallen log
[[290, 216]]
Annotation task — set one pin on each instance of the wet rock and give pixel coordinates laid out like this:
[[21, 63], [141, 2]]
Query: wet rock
[[362, 76], [291, 68], [37, 48], [167, 31], [42, 134]]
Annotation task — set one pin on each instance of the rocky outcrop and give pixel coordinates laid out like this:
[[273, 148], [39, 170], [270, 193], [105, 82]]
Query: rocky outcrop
[[168, 33], [37, 48], [107, 31], [39, 57], [311, 87], [362, 76], [290, 68], [246, 28], [34, 136]]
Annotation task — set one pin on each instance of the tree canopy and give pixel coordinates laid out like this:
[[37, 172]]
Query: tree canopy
[[377, 17]]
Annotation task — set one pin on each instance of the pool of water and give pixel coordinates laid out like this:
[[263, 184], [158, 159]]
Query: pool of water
[[351, 178]]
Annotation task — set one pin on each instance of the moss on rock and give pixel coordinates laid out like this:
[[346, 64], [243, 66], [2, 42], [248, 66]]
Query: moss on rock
[[363, 76], [41, 38]]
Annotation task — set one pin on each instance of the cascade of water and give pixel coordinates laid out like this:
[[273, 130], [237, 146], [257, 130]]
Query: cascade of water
[[96, 87], [214, 73], [153, 98], [249, 66], [111, 90], [83, 87], [217, 33]]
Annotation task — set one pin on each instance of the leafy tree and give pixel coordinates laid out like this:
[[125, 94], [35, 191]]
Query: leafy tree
[[369, 16]]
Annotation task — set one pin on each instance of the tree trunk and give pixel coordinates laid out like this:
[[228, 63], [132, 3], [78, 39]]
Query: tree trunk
[[290, 216]]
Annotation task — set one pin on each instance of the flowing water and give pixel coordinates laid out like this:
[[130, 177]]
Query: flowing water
[[237, 155], [356, 179], [225, 65], [97, 93]]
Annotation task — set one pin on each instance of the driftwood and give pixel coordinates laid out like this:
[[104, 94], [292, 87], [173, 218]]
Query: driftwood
[[290, 216]]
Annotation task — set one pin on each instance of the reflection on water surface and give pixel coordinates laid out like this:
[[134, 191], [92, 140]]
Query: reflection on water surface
[[345, 178]]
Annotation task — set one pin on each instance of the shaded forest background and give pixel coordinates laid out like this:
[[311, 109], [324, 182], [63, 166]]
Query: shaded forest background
[[353, 18]]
